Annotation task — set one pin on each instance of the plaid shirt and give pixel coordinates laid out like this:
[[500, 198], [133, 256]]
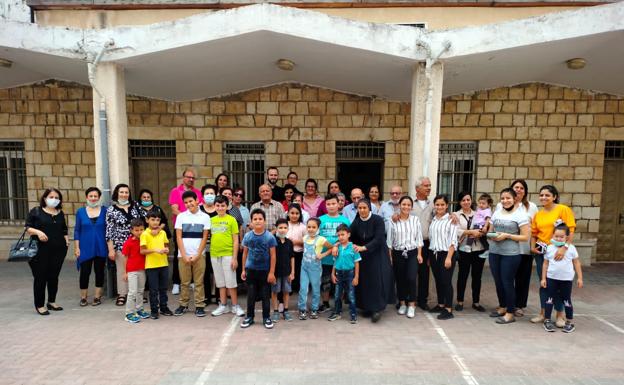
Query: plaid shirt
[[273, 211]]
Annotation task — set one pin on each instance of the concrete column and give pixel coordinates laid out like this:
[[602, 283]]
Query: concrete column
[[110, 81], [425, 143]]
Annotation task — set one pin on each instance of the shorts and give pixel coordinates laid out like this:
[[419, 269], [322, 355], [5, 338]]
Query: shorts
[[281, 285], [326, 282], [223, 274]]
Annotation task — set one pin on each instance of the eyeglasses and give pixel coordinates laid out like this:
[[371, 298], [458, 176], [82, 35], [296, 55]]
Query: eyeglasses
[[395, 193], [189, 177], [240, 195]]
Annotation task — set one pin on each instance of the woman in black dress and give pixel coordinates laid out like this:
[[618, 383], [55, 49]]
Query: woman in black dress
[[46, 223], [376, 286]]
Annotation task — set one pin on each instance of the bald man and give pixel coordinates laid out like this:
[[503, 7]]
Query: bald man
[[350, 210]]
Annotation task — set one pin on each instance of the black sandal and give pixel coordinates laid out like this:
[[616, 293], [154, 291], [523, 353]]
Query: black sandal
[[96, 301], [121, 300], [83, 302], [54, 308]]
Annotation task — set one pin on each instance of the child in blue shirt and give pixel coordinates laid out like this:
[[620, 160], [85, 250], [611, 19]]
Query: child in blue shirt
[[345, 274]]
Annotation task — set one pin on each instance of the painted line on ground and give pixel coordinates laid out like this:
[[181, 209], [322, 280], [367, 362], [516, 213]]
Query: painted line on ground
[[604, 321], [223, 344], [459, 361]]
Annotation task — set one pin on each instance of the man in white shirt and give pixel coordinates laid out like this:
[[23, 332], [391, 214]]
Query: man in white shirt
[[423, 209], [391, 207], [350, 210]]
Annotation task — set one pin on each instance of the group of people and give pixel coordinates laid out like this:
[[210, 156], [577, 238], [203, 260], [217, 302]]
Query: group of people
[[367, 253]]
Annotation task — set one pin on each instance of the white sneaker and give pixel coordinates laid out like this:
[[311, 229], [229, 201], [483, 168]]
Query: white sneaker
[[402, 310], [236, 309], [411, 312], [222, 309], [176, 289]]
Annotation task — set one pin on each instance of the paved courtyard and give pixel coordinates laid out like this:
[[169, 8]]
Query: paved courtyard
[[93, 345]]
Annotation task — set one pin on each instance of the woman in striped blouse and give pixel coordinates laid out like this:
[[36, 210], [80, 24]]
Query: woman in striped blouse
[[405, 244], [443, 243]]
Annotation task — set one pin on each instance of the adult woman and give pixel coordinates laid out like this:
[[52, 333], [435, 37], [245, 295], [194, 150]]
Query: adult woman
[[237, 201], [46, 223], [509, 227], [373, 196], [118, 218], [221, 181], [292, 179], [311, 199], [443, 244], [90, 244], [146, 204], [232, 210], [209, 193], [542, 229], [289, 191], [376, 288], [405, 244], [333, 187], [296, 232], [469, 253], [342, 201]]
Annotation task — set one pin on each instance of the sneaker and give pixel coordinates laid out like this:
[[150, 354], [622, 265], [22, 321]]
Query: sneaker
[[154, 315], [314, 314], [445, 314], [222, 309], [180, 310], [411, 312], [268, 323], [275, 317], [334, 317], [402, 310], [175, 290], [303, 315], [247, 322], [143, 314], [287, 316], [568, 327], [166, 311], [353, 319], [132, 318], [238, 311], [549, 326], [537, 319], [560, 323], [323, 308], [199, 312]]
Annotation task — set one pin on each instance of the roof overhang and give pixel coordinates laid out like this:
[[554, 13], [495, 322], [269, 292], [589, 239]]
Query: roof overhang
[[224, 52]]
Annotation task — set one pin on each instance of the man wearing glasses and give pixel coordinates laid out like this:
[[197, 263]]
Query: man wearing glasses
[[391, 207], [177, 207]]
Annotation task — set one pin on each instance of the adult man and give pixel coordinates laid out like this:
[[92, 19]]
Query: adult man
[[391, 207], [423, 208], [350, 210], [177, 207], [292, 179], [272, 208], [278, 192]]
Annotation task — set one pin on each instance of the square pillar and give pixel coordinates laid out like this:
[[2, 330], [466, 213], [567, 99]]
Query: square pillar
[[426, 109]]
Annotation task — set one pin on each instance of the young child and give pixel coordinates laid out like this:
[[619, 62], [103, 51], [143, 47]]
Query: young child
[[258, 267], [135, 272], [557, 277], [481, 220], [345, 274], [223, 242], [191, 229], [154, 245], [284, 269], [311, 268]]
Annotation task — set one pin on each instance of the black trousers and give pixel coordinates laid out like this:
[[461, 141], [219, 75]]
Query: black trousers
[[523, 280], [258, 287], [469, 263], [98, 264], [405, 274], [208, 273], [175, 275], [295, 282], [423, 274], [443, 278], [46, 267], [159, 282]]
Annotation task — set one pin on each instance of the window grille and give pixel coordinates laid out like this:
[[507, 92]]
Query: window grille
[[360, 151], [244, 163], [152, 149], [457, 168], [13, 194], [614, 150]]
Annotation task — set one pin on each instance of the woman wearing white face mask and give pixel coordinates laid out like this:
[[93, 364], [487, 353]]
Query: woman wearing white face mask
[[90, 244], [209, 192], [46, 223]]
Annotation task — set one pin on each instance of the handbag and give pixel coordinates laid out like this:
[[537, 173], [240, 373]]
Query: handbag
[[23, 249]]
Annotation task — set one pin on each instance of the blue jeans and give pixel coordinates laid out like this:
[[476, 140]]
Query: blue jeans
[[310, 275], [543, 293], [344, 283], [504, 268]]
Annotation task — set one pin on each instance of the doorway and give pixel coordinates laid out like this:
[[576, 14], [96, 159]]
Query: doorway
[[611, 234], [360, 164]]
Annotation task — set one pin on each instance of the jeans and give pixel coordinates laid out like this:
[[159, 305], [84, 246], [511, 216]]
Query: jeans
[[159, 282], [469, 263], [539, 264], [310, 275], [504, 269], [344, 283], [523, 280], [257, 284], [443, 278], [561, 290], [423, 274], [405, 273]]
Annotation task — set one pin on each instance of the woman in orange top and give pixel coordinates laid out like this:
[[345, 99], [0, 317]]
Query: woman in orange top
[[542, 230]]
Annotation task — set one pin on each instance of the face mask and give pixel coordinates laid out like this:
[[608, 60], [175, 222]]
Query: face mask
[[280, 235], [124, 202], [209, 198], [93, 204], [52, 202], [146, 203], [557, 243]]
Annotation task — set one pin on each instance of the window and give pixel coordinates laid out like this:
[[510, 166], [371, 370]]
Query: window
[[456, 168], [614, 150], [13, 196], [152, 149], [244, 163]]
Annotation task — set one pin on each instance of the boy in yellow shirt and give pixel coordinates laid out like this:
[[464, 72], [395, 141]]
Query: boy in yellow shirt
[[155, 247]]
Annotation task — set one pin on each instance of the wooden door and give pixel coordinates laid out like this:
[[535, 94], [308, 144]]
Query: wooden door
[[611, 235]]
